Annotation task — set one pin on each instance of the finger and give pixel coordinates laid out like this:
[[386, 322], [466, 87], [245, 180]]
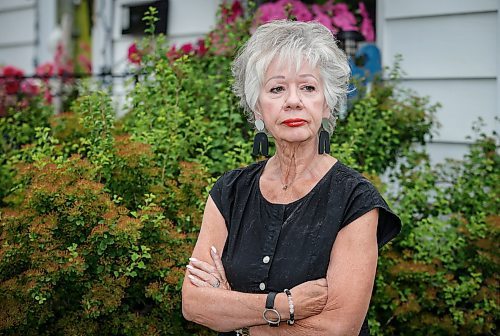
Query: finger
[[210, 278], [204, 266], [198, 282], [220, 268], [323, 282], [218, 263]]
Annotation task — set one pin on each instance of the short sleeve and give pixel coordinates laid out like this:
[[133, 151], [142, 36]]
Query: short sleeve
[[217, 193], [364, 198]]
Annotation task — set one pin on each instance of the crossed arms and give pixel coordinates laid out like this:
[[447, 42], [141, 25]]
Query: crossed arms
[[335, 306]]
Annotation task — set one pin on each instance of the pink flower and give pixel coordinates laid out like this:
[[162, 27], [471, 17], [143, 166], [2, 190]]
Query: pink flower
[[299, 9], [134, 56], [322, 18], [66, 69], [329, 6], [366, 24], [45, 70], [271, 11], [59, 53], [85, 63], [30, 88], [343, 18], [24, 103], [219, 43]]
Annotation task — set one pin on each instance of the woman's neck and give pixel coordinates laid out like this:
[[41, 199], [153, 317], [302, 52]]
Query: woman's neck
[[296, 161]]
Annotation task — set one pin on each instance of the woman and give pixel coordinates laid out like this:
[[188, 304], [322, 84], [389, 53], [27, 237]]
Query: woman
[[300, 232]]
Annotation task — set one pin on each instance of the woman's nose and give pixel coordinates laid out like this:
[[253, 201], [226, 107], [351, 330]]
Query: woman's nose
[[293, 101]]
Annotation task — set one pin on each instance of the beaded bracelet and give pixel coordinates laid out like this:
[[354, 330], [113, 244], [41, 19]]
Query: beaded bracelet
[[243, 332], [290, 305]]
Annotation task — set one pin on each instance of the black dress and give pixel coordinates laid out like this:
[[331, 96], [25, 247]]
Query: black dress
[[271, 247]]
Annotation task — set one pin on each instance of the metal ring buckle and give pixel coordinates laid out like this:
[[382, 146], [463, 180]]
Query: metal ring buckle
[[272, 323]]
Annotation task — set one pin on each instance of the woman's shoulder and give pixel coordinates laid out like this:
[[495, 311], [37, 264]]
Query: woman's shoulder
[[242, 173], [240, 177], [361, 196], [350, 177], [234, 182]]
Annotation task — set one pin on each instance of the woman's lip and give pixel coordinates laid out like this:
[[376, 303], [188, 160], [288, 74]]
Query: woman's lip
[[296, 122]]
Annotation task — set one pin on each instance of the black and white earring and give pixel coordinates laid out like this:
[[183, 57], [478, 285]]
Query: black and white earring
[[324, 138], [260, 142]]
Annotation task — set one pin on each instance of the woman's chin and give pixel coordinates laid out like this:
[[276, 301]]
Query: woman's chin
[[292, 139]]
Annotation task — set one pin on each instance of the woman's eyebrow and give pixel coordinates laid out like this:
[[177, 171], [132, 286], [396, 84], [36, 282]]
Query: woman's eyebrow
[[275, 77], [308, 75]]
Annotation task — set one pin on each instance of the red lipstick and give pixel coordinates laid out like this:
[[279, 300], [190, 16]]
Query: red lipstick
[[294, 122]]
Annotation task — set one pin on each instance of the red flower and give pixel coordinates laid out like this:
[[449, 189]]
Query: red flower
[[236, 12], [186, 48], [230, 15], [173, 53], [201, 49], [13, 79], [134, 55], [47, 96]]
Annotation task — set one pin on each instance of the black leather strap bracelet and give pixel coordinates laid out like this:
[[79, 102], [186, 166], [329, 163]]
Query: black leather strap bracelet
[[271, 315]]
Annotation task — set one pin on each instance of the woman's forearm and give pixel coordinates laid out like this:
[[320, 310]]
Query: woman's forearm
[[224, 310], [326, 323]]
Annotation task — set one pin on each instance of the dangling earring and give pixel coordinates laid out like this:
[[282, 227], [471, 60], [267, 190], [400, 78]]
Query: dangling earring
[[324, 138], [260, 142]]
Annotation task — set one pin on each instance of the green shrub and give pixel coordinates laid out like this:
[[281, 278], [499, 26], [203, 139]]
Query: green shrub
[[440, 277], [18, 129], [74, 261], [185, 116], [379, 127], [84, 248]]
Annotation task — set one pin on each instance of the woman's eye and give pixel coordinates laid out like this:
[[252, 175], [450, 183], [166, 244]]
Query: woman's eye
[[277, 89], [308, 88]]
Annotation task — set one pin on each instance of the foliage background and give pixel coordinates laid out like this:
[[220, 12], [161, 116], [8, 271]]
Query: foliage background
[[98, 216]]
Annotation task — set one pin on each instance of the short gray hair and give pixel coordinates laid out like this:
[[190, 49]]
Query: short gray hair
[[291, 41]]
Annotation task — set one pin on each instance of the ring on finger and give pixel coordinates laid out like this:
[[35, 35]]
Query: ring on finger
[[217, 284]]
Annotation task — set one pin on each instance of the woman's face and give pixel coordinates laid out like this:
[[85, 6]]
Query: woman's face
[[291, 102]]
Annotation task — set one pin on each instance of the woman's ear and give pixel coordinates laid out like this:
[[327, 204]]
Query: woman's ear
[[326, 110], [256, 112]]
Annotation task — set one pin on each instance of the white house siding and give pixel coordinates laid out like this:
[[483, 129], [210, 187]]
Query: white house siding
[[450, 52], [26, 27], [24, 40], [188, 20], [17, 40]]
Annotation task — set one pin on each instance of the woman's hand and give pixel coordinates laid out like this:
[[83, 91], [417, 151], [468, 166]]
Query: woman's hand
[[203, 274], [309, 298]]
